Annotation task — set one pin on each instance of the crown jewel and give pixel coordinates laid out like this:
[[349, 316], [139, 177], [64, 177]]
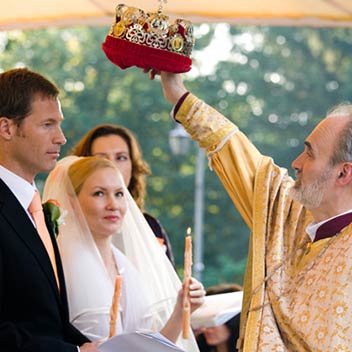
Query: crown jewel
[[153, 29], [149, 40]]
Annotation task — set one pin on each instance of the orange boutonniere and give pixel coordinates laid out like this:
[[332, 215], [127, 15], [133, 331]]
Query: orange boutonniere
[[52, 209], [161, 241]]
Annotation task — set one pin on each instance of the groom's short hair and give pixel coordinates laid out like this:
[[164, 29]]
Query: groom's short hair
[[18, 89]]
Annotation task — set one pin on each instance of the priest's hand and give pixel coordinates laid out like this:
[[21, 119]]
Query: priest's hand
[[172, 84]]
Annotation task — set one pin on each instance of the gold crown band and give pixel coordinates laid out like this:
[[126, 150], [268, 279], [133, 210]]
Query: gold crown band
[[153, 30]]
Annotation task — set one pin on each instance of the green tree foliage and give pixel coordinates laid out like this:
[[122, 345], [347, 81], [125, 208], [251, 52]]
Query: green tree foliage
[[276, 83]]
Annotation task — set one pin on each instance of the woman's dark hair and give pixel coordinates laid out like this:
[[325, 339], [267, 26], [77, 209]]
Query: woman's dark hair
[[140, 168]]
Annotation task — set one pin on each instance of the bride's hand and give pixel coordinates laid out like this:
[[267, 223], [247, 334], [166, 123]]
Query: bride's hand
[[196, 293], [90, 347]]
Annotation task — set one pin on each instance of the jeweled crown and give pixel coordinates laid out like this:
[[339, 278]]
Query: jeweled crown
[[153, 30]]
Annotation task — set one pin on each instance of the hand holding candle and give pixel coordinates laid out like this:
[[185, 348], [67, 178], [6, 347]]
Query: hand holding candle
[[115, 305], [187, 273]]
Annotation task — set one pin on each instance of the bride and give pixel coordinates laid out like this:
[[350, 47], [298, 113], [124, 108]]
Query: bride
[[103, 234]]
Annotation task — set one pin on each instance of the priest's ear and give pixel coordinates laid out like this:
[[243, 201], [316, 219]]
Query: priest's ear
[[344, 176]]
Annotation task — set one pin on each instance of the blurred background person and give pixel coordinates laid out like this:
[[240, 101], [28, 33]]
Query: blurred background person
[[120, 145], [221, 338]]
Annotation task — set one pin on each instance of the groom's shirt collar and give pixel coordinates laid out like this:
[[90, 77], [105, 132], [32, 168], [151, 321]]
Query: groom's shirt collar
[[22, 189]]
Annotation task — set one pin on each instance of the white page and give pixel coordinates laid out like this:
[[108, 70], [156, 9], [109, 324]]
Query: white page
[[217, 309], [139, 341]]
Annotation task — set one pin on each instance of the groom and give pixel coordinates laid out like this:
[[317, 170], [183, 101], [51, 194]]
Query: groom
[[33, 303]]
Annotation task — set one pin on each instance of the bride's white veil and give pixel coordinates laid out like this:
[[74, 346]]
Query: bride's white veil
[[87, 271]]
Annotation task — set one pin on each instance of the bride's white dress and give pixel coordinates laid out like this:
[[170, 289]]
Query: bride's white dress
[[95, 323]]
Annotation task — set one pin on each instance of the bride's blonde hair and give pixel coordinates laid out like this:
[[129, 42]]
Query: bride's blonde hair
[[82, 168]]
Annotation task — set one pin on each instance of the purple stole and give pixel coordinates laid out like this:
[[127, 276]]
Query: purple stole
[[333, 226]]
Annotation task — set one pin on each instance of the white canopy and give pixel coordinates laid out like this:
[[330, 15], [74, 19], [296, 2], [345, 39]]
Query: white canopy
[[43, 13]]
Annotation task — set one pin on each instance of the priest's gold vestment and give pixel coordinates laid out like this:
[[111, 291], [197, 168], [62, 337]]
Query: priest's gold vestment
[[297, 294]]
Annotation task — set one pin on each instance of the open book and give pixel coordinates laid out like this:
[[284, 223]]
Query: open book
[[139, 341], [217, 309]]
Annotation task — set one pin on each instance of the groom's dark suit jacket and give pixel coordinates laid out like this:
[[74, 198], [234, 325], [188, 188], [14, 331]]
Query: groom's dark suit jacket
[[33, 312]]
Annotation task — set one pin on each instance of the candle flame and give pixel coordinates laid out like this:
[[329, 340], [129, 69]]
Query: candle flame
[[188, 232]]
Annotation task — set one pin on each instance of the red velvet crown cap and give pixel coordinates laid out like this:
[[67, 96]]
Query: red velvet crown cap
[[149, 40], [124, 54]]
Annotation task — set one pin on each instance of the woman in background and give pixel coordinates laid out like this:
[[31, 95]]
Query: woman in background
[[221, 338], [98, 207], [119, 145]]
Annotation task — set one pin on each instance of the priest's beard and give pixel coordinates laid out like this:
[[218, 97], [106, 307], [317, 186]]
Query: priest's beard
[[311, 195]]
